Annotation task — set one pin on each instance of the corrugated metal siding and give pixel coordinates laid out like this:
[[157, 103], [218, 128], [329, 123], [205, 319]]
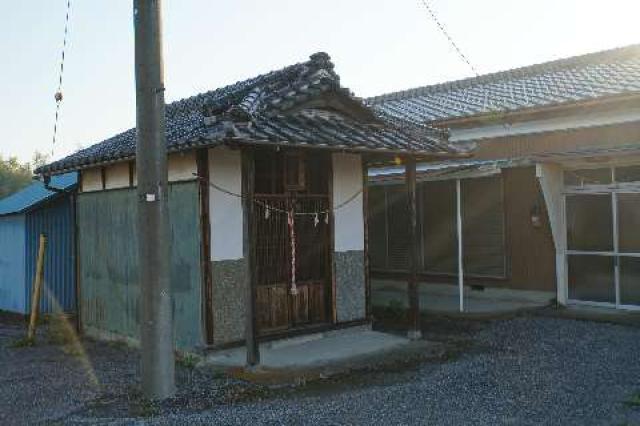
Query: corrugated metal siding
[[12, 267], [55, 220], [107, 248]]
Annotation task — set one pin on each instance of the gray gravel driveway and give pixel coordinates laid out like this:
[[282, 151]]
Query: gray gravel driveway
[[525, 370]]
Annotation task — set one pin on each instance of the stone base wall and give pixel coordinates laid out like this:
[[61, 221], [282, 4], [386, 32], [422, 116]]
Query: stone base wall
[[350, 285], [229, 310]]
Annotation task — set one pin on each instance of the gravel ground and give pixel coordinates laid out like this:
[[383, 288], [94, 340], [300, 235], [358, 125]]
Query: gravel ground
[[526, 370], [58, 380]]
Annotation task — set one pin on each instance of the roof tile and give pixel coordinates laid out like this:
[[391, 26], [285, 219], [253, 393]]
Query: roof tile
[[596, 75]]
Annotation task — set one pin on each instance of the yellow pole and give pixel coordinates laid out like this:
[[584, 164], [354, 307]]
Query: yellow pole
[[37, 288]]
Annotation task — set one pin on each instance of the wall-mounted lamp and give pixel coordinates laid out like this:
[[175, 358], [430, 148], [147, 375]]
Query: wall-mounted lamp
[[536, 216]]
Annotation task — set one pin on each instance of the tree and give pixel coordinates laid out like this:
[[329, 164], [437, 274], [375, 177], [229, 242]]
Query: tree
[[13, 175], [39, 159]]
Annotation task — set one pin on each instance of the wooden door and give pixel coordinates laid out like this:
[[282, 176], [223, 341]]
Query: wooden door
[[279, 308]]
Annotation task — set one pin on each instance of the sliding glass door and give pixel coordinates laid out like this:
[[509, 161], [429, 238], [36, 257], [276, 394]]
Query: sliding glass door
[[602, 208]]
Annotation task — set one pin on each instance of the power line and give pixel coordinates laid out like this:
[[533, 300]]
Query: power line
[[487, 95], [446, 34], [58, 95]]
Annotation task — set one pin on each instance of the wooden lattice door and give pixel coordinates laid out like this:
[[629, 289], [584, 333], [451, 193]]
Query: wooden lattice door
[[281, 305]]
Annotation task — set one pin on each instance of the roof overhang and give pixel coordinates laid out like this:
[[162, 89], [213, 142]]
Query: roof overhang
[[621, 101], [598, 155], [382, 156], [446, 170]]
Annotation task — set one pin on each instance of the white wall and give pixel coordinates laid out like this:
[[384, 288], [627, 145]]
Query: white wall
[[225, 170], [182, 166], [92, 179], [117, 176], [348, 220], [552, 184]]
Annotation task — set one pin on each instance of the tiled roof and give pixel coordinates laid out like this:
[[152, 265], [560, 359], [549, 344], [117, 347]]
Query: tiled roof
[[35, 194], [263, 110], [580, 78]]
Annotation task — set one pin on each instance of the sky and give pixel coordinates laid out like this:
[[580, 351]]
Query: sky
[[377, 46]]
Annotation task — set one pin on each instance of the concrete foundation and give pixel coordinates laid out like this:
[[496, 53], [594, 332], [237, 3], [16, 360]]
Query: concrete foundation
[[313, 350], [444, 298]]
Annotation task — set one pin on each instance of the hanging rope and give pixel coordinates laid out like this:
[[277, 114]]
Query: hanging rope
[[292, 239], [269, 209], [58, 94]]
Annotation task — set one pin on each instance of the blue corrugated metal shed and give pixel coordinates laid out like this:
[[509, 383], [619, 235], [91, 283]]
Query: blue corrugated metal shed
[[23, 217], [36, 193]]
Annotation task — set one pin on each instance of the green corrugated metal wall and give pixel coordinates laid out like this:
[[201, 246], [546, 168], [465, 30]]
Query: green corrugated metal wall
[[107, 250]]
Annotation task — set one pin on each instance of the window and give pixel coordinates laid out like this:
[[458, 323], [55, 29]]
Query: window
[[629, 223], [630, 281], [439, 228], [603, 236], [482, 231], [589, 222], [483, 226], [294, 171], [591, 278], [628, 174], [584, 177]]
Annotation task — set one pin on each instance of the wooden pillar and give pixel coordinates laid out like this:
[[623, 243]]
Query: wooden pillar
[[249, 238], [460, 245], [37, 288], [365, 215], [202, 164], [414, 332]]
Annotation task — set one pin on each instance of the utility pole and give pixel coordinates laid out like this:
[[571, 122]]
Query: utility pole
[[156, 328]]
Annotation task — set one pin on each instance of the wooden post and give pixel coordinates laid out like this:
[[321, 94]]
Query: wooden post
[[202, 164], [414, 332], [248, 243], [332, 242], [365, 215], [460, 246], [37, 288]]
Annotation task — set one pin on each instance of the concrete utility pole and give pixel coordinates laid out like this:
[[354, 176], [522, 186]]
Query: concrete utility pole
[[156, 331]]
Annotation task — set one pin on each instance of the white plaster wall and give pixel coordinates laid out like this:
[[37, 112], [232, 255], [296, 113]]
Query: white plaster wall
[[182, 166], [117, 176], [92, 180], [552, 184], [225, 170], [348, 220]]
